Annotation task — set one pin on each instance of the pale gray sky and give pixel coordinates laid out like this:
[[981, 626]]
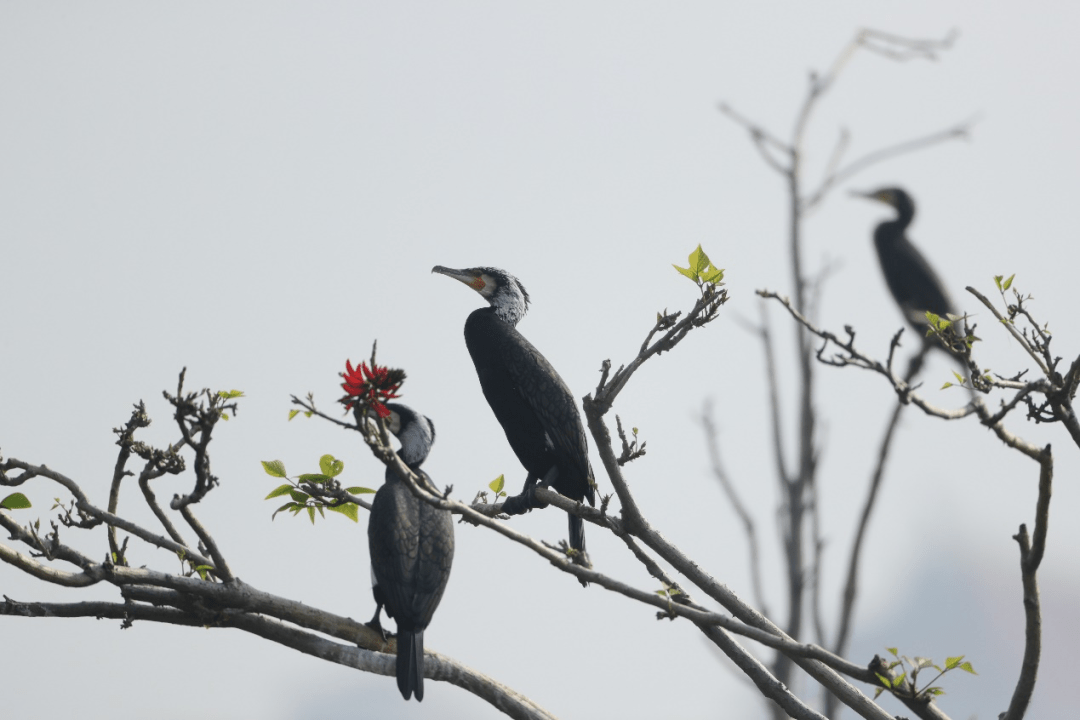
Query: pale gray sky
[[258, 190]]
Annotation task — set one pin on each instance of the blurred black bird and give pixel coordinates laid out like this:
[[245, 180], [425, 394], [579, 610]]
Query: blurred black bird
[[412, 547], [531, 402], [912, 282]]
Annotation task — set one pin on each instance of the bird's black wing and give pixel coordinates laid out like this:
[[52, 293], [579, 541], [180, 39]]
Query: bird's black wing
[[914, 284], [412, 547], [394, 541], [553, 403], [436, 554]]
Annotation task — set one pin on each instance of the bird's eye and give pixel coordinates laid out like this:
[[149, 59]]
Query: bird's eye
[[477, 284]]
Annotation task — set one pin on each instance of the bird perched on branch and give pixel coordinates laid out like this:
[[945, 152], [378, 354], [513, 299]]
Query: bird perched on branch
[[529, 399], [412, 547], [912, 282]]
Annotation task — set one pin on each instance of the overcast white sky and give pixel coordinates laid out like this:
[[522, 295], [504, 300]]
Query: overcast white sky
[[256, 191]]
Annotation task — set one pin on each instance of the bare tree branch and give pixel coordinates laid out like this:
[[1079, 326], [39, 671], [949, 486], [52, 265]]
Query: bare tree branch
[[719, 592], [852, 582], [84, 505], [712, 444], [1031, 554], [797, 487], [959, 131], [765, 681], [436, 666], [40, 570]]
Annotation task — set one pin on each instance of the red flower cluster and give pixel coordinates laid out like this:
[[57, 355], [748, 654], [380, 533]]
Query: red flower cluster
[[373, 386]]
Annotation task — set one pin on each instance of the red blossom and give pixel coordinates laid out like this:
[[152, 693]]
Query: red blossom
[[371, 386]]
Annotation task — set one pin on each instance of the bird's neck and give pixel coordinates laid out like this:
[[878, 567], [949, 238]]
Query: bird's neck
[[905, 213], [891, 232], [508, 307]]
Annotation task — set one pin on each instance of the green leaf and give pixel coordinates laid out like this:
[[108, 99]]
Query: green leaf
[[877, 693], [698, 260], [958, 376], [884, 680], [225, 416], [701, 269], [893, 651], [923, 662], [201, 569], [275, 468], [313, 478], [899, 680], [1008, 283], [713, 276], [951, 662], [685, 271], [300, 497], [279, 491], [311, 513], [496, 485], [230, 394], [293, 413], [359, 490], [286, 506], [349, 510], [330, 465], [15, 501], [946, 385], [966, 667], [934, 691]]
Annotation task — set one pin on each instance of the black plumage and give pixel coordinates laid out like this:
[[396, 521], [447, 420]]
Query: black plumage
[[532, 403], [412, 547], [911, 280]]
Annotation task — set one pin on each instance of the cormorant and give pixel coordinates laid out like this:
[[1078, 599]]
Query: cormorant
[[412, 546], [529, 399], [911, 280]]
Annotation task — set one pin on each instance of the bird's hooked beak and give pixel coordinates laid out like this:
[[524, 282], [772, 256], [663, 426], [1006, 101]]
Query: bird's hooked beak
[[468, 277], [873, 195], [393, 423]]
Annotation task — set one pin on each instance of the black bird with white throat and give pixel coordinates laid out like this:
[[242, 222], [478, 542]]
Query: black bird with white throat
[[412, 547], [532, 403], [911, 280]]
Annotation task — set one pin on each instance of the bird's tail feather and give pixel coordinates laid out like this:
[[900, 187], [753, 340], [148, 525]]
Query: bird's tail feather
[[577, 533], [577, 542], [410, 663]]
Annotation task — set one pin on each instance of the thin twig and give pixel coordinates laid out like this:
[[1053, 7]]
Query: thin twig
[[1012, 330], [851, 585], [221, 568]]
